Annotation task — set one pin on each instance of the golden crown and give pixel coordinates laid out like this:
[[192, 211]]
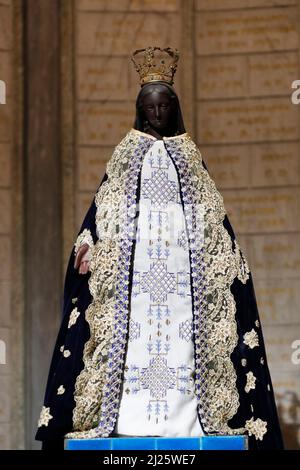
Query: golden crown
[[155, 64]]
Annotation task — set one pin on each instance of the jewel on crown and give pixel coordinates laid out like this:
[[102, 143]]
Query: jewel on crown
[[155, 64]]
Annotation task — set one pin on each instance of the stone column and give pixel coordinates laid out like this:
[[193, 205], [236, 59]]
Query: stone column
[[42, 193]]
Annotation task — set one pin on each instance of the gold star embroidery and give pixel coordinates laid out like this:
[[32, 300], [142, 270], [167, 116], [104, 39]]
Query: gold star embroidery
[[45, 417], [251, 339], [251, 379], [257, 427], [73, 317], [67, 353], [61, 390]]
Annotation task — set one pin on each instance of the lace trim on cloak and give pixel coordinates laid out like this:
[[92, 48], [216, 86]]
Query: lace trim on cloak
[[215, 262]]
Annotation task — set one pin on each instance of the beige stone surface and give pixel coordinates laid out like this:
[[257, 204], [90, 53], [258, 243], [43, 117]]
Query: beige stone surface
[[279, 340], [5, 211], [4, 399], [5, 165], [244, 244], [92, 166], [287, 391], [5, 302], [246, 31], [278, 301], [275, 164], [5, 433], [275, 256], [6, 70], [263, 165], [120, 34], [272, 74], [246, 75], [84, 200], [104, 123], [6, 121], [128, 5], [228, 165], [227, 4], [5, 27], [248, 120], [263, 210], [134, 82], [102, 78], [5, 258], [5, 363], [222, 77]]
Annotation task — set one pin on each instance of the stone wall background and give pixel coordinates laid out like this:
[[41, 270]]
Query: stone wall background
[[11, 234], [5, 217], [248, 130], [238, 60]]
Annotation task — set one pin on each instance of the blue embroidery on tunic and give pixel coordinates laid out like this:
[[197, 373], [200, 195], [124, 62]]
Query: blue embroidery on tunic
[[155, 287]]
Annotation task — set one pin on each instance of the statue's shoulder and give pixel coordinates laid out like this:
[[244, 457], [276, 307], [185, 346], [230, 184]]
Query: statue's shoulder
[[185, 141], [132, 136]]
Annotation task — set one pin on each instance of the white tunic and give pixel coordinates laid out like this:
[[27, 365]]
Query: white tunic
[[157, 397]]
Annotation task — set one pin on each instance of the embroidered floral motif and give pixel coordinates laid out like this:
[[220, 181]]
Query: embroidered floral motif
[[262, 361], [73, 317], [67, 353], [251, 379], [257, 323], [45, 417], [84, 237], [244, 362], [74, 300], [62, 348], [256, 427], [61, 390], [251, 339], [242, 264], [222, 331], [220, 400]]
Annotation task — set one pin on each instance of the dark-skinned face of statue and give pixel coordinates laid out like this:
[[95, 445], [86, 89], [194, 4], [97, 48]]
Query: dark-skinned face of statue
[[158, 108]]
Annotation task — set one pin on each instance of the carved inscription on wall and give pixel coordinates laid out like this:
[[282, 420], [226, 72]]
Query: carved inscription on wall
[[246, 31], [252, 120]]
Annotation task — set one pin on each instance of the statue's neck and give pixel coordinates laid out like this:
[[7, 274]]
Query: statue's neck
[[162, 133]]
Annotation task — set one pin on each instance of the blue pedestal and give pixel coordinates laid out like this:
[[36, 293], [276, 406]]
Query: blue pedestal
[[160, 443]]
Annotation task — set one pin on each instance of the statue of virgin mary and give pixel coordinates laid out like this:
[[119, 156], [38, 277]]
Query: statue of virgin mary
[[160, 334]]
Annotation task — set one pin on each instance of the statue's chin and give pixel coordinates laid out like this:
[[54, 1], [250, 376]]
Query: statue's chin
[[160, 129]]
